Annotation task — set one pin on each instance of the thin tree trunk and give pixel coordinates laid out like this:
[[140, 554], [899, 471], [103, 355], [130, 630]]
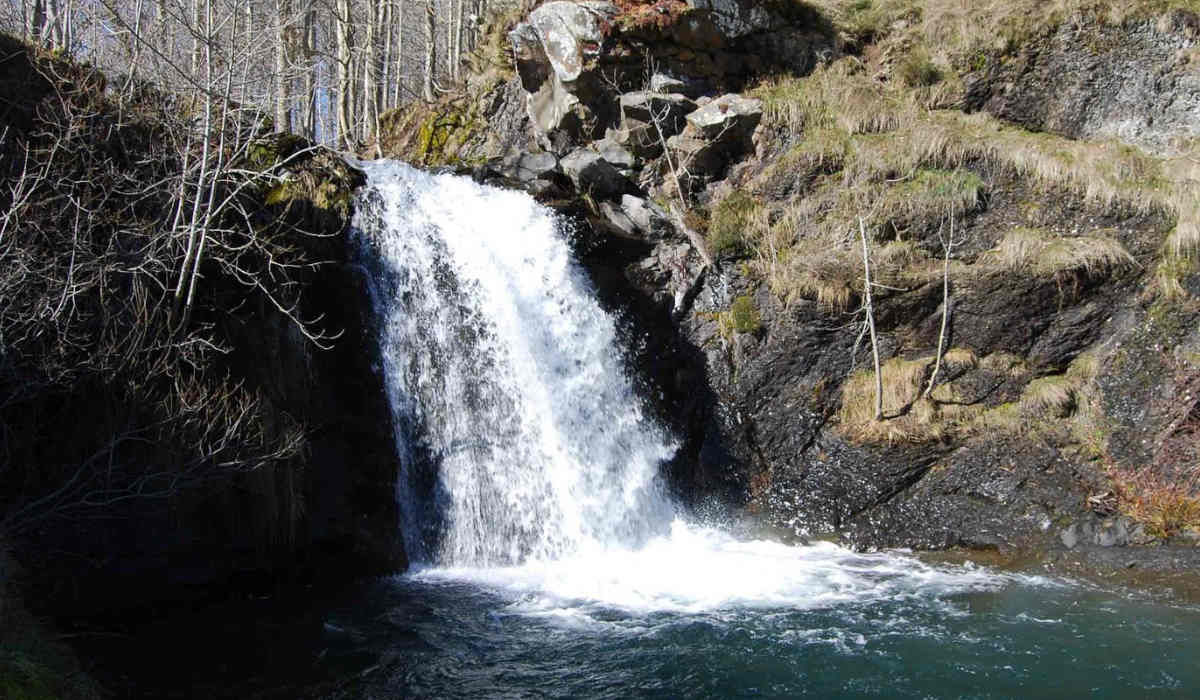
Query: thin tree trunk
[[385, 62], [196, 42], [870, 310], [134, 59], [398, 87], [369, 75], [209, 208], [184, 282], [937, 365], [430, 51], [34, 22], [344, 88], [283, 17], [309, 115]]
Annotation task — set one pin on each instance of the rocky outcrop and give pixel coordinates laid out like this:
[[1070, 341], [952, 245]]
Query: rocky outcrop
[[1135, 82], [552, 50], [575, 58], [717, 134], [1053, 389]]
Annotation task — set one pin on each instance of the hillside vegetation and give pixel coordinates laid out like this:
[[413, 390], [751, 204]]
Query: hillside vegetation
[[884, 135]]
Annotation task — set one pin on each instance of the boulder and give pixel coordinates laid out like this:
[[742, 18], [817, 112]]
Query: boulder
[[619, 220], [717, 134], [665, 84], [735, 19], [646, 216], [727, 113], [592, 174], [635, 217], [646, 107], [554, 50], [716, 24], [620, 157], [529, 166], [639, 138]]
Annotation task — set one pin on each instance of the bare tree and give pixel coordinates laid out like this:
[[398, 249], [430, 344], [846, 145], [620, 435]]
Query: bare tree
[[430, 51], [949, 242], [869, 310]]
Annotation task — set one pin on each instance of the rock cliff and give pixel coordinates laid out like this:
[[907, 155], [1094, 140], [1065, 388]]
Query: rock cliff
[[1023, 181]]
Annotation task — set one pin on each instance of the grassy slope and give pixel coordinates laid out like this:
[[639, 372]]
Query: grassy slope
[[878, 134]]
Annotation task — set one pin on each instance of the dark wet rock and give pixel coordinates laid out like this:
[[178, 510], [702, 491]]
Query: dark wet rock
[[1147, 388], [1102, 532]]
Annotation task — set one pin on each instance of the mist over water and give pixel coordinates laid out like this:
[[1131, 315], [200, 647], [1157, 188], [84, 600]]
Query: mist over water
[[549, 560]]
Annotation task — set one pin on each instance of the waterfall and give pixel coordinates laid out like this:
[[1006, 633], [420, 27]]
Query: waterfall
[[518, 433]]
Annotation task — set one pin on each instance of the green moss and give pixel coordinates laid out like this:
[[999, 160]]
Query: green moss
[[917, 69], [267, 152], [279, 194], [730, 222], [744, 316]]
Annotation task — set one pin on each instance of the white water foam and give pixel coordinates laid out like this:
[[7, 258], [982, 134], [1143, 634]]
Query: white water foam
[[697, 569]]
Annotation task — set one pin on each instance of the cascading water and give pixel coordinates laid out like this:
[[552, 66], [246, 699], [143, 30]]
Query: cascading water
[[519, 432], [526, 463], [550, 562]]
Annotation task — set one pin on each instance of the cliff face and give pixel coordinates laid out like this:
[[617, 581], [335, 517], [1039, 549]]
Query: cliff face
[[1024, 180], [147, 448]]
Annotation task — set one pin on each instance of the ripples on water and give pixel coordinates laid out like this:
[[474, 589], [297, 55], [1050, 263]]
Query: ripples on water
[[699, 614]]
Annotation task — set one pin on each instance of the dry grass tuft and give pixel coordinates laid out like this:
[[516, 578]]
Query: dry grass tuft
[[734, 220], [1005, 362], [1164, 505], [904, 166], [901, 388], [1049, 396], [1170, 273], [1005, 419], [1045, 254], [1055, 403], [962, 31], [908, 416], [960, 358]]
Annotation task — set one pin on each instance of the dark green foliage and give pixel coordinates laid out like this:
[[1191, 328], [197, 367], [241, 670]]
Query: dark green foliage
[[917, 69], [729, 222], [744, 316]]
